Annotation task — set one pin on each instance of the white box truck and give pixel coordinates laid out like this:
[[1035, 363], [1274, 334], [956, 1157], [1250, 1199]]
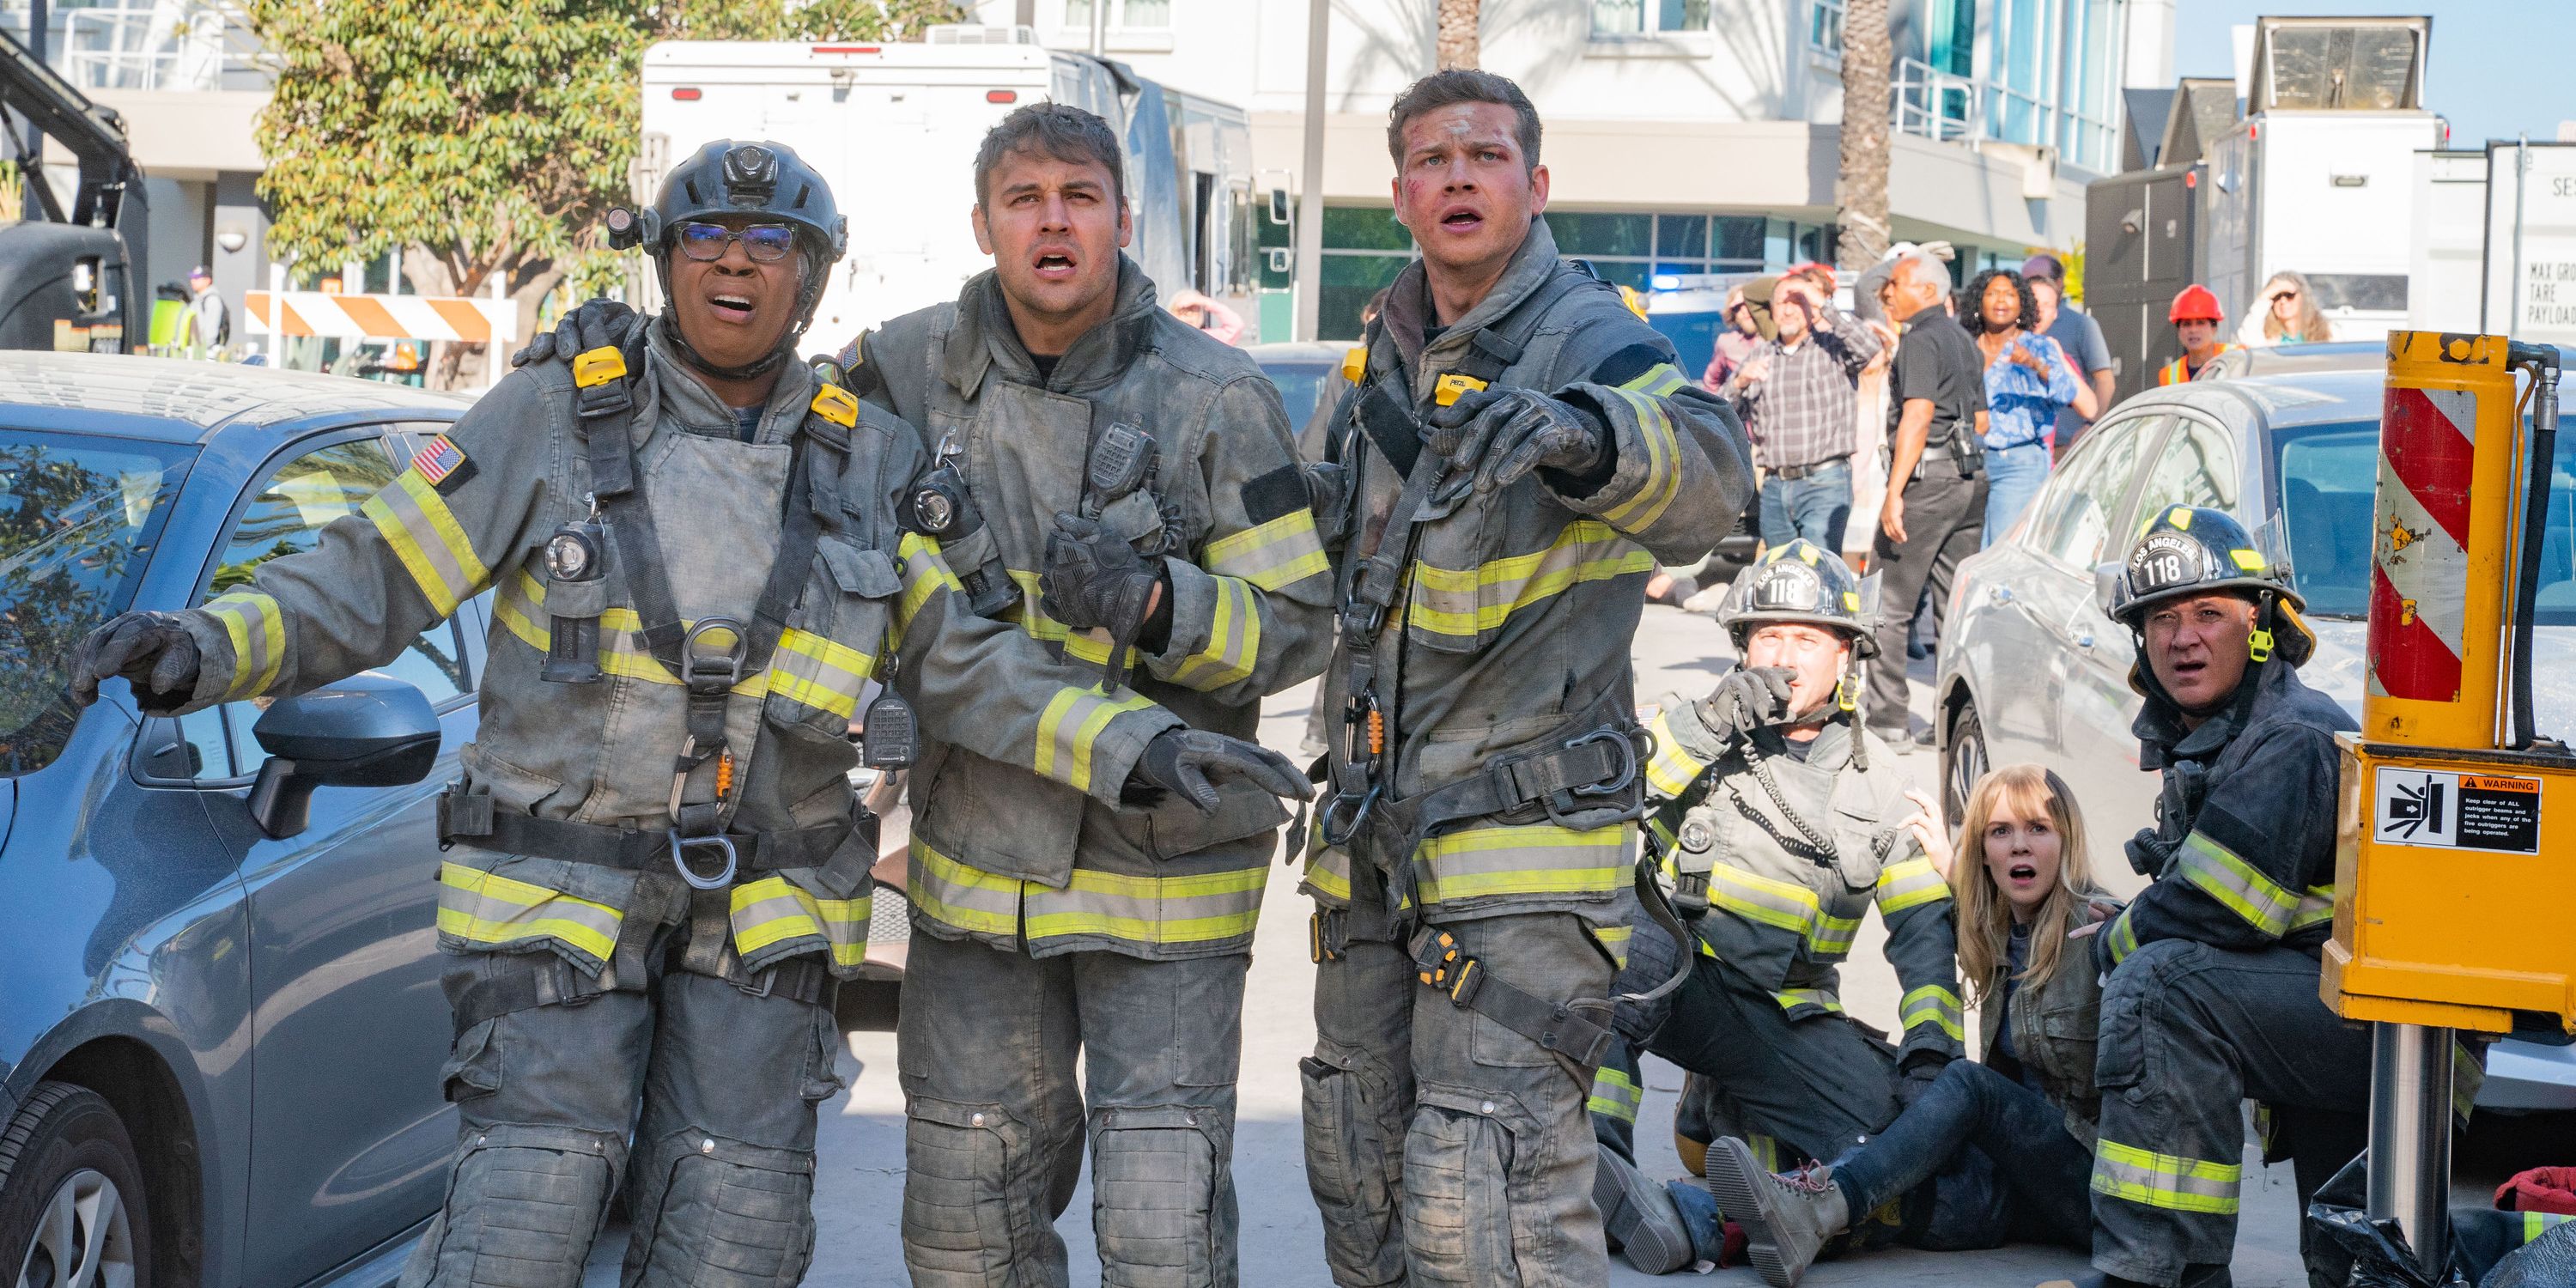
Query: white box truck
[[894, 127]]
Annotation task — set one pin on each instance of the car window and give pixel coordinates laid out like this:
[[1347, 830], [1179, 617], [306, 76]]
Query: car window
[[1298, 384], [286, 516], [2196, 466], [78, 516], [2088, 492]]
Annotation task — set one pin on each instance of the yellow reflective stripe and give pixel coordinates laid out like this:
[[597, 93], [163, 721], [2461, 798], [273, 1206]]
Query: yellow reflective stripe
[[1279, 553], [1328, 874], [810, 669], [1234, 640], [1933, 1004], [1193, 909], [2535, 1222], [2124, 937], [1524, 858], [1910, 884], [480, 907], [1784, 904], [1614, 941], [1464, 601], [1663, 480], [1084, 646], [1614, 1093], [1655, 381], [773, 909], [2467, 1076], [2237, 884], [1832, 936], [1766, 1151], [258, 632], [924, 575], [521, 608], [2167, 1181], [2316, 908], [1791, 999], [424, 534], [1670, 770], [1071, 725], [953, 894]]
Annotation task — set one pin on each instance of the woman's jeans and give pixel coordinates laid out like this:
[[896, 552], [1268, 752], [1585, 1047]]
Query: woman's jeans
[[2007, 1169], [2013, 477]]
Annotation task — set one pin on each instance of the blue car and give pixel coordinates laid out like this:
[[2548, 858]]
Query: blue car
[[221, 1028]]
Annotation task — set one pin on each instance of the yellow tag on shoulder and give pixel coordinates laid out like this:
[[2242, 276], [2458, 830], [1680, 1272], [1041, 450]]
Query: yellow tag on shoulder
[[598, 366], [837, 405], [1450, 388], [1355, 363]]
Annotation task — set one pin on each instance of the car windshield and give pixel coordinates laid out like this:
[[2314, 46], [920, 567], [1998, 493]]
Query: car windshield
[[1298, 385], [2329, 476], [78, 517]]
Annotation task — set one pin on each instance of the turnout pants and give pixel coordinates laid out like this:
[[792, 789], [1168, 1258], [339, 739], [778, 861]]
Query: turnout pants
[[2188, 1032], [1442, 1147], [995, 1121], [715, 1076], [1945, 520]]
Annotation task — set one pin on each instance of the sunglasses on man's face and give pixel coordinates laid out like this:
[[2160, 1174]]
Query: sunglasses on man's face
[[765, 243]]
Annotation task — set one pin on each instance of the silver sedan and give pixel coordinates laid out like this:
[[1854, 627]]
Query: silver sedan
[[2031, 670]]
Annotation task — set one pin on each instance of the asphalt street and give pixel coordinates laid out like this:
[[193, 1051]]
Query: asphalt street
[[858, 1198]]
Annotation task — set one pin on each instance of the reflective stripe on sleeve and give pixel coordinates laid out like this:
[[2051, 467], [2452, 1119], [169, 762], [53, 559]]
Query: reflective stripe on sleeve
[[1234, 639], [1663, 480], [483, 908], [923, 576], [1614, 1094], [772, 910], [2316, 908], [810, 669], [1670, 770], [2237, 884], [414, 519], [2166, 1181], [1072, 725], [2124, 936], [1465, 601], [1763, 900], [258, 633], [1791, 999], [1932, 1004], [1082, 646], [1279, 553], [1525, 858], [1910, 884]]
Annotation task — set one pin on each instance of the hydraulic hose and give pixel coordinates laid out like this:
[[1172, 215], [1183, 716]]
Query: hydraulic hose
[[2543, 360]]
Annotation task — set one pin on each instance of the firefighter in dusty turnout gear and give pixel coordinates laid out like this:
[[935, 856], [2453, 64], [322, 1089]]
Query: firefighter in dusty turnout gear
[[655, 867], [1523, 454], [2212, 971], [1780, 821]]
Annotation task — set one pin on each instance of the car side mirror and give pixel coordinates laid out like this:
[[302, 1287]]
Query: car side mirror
[[2106, 586], [368, 730]]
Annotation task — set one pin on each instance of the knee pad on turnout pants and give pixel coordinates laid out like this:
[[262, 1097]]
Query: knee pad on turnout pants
[[523, 1204], [715, 1213], [976, 1181], [1161, 1215], [1355, 1112]]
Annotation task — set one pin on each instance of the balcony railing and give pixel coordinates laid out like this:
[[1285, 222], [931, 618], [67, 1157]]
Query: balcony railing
[[152, 45], [1940, 105]]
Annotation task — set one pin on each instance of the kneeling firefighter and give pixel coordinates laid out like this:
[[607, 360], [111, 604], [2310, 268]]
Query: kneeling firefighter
[[656, 868], [1777, 834]]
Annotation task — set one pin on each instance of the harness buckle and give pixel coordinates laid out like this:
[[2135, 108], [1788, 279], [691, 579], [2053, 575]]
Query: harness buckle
[[1440, 963], [706, 672], [680, 847], [1361, 620], [1623, 776]]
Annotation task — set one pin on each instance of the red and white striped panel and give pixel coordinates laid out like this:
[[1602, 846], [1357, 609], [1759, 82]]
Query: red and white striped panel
[[385, 317], [2419, 561]]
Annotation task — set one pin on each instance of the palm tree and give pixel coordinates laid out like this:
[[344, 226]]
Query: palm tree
[[1457, 45], [1861, 189]]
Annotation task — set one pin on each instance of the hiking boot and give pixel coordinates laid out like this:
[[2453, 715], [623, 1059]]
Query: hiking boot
[[1639, 1215], [1786, 1218]]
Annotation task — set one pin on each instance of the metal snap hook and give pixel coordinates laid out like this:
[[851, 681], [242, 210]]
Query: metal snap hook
[[680, 847]]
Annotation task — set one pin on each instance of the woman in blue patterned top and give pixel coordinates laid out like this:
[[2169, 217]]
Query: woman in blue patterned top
[[2028, 380]]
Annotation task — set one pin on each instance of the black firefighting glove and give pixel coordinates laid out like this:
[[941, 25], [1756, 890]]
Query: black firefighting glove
[[1190, 761], [595, 325], [1747, 699], [1915, 1075], [1095, 580], [150, 651], [1503, 434]]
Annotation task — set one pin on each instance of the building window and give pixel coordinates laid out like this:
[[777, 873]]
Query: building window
[[1612, 19], [1825, 27], [1124, 15]]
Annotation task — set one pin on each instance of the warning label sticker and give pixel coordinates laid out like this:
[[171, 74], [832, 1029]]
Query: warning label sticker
[[2458, 811]]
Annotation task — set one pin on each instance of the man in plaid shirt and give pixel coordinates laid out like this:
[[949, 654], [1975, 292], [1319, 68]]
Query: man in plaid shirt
[[1796, 396]]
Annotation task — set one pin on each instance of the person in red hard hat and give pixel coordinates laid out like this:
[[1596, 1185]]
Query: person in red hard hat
[[2196, 319]]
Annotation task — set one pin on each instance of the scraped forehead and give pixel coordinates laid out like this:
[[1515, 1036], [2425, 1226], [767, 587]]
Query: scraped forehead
[[1462, 126]]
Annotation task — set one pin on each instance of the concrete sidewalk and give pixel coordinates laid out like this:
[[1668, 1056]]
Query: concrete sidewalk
[[859, 1190]]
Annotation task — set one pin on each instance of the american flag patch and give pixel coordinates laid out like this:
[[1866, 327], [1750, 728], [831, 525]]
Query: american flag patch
[[439, 461]]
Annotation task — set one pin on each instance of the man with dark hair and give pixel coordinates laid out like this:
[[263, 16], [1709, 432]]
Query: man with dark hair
[[2075, 331], [1142, 503], [1522, 453]]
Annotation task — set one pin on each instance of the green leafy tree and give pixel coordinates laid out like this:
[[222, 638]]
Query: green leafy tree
[[486, 137]]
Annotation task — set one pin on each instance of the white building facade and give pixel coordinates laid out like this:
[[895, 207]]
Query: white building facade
[[1682, 136]]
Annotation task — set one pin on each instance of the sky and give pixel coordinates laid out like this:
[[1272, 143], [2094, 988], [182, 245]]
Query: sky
[[2498, 67]]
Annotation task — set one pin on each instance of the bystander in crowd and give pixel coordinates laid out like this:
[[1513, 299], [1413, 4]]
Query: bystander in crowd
[[1736, 341], [2285, 312], [1796, 394], [2028, 382], [2080, 336], [1936, 490]]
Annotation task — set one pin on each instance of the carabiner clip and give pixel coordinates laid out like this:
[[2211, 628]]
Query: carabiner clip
[[1337, 837], [680, 847]]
